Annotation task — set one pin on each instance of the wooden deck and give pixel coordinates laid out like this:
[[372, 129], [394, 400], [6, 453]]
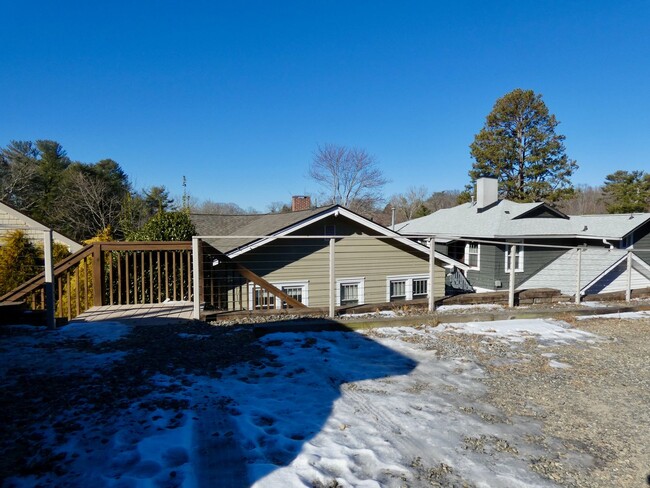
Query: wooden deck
[[149, 314]]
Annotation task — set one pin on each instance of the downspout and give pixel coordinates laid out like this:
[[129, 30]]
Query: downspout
[[611, 246]]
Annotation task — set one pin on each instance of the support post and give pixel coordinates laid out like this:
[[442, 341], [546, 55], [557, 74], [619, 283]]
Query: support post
[[432, 274], [332, 310], [98, 278], [513, 263], [628, 288], [197, 290], [49, 280], [578, 275]]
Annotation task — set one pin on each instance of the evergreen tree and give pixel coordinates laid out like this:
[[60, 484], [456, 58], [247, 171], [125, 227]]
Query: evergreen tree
[[519, 146], [627, 191]]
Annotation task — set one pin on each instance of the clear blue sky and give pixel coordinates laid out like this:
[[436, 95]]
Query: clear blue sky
[[237, 95]]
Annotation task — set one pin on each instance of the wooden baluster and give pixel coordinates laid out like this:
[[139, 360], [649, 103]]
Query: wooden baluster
[[159, 266], [143, 286], [86, 297], [181, 283], [188, 254], [77, 272], [174, 273], [119, 277], [110, 277], [151, 299], [69, 295], [166, 275], [127, 281]]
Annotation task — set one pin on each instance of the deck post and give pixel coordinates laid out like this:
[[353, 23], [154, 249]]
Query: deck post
[[628, 288], [513, 264], [332, 307], [98, 275], [432, 273], [578, 275], [196, 278], [49, 280]]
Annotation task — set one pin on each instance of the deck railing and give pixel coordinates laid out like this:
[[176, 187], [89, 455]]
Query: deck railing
[[114, 273]]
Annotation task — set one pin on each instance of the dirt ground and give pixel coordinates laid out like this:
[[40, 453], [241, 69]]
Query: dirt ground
[[599, 406], [593, 405]]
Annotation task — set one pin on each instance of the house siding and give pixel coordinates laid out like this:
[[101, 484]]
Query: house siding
[[641, 242], [535, 259], [298, 260]]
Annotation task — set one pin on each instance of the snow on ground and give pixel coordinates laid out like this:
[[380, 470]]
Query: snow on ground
[[371, 409], [642, 314]]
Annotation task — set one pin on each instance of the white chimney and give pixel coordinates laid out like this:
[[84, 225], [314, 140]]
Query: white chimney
[[487, 192]]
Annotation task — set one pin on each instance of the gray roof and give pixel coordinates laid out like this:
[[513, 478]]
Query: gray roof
[[508, 219], [255, 225]]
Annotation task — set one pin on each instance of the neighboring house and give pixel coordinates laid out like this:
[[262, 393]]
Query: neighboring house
[[498, 224], [11, 219], [377, 270]]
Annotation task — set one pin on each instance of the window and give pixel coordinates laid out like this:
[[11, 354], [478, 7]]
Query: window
[[420, 288], [406, 287], [262, 299], [294, 292], [397, 290], [519, 259], [350, 291], [473, 255]]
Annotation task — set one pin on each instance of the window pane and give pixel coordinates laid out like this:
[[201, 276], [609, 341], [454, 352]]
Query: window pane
[[397, 289], [419, 288], [349, 294]]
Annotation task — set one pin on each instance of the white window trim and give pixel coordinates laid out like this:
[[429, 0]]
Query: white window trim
[[409, 284], [478, 257], [520, 252], [279, 284], [361, 281]]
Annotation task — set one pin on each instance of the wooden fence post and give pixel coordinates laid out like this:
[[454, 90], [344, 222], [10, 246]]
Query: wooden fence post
[[98, 275], [628, 288], [49, 280], [197, 278], [513, 263], [432, 272], [332, 311], [578, 276]]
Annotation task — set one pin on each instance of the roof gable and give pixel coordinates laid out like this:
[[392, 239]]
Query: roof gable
[[267, 228]]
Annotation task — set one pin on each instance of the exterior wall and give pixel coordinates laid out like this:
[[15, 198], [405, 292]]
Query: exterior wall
[[9, 223], [492, 264], [372, 260], [616, 280], [642, 241]]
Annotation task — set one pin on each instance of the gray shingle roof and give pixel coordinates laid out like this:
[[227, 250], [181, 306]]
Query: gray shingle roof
[[247, 225], [501, 221]]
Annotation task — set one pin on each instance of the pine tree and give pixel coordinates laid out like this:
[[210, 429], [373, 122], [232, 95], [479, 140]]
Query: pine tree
[[519, 146]]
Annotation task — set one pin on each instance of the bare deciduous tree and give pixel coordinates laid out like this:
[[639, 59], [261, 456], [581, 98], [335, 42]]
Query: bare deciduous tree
[[586, 200], [92, 206], [410, 205], [348, 176]]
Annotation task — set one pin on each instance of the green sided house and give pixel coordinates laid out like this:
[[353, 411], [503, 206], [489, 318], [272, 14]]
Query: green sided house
[[275, 261]]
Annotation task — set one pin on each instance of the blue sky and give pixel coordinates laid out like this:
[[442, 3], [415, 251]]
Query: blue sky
[[236, 96]]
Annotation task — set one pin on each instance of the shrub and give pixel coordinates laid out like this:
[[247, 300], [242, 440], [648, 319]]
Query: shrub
[[166, 226], [20, 260]]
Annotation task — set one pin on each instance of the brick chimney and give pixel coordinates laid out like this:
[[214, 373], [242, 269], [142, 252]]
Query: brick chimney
[[300, 202]]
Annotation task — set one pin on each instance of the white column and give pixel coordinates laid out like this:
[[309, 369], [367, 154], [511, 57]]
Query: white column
[[49, 280], [513, 263], [432, 274], [578, 275], [196, 278], [332, 311], [628, 289]]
